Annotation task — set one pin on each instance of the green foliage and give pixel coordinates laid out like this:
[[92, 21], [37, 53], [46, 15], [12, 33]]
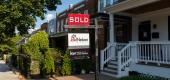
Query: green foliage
[[48, 67], [40, 39], [9, 45], [4, 49], [37, 43], [38, 47], [56, 53], [22, 14], [25, 50], [66, 65]]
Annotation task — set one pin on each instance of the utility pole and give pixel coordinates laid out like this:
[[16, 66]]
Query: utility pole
[[96, 50]]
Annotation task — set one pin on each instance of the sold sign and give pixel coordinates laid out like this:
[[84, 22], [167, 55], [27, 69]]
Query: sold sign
[[78, 19]]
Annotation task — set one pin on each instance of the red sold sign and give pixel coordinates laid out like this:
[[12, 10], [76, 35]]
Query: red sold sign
[[78, 19]]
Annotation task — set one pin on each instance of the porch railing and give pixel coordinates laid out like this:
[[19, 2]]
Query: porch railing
[[106, 55], [110, 52], [156, 52], [134, 52], [124, 58]]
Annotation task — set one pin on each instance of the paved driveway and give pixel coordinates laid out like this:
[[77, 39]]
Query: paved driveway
[[5, 73]]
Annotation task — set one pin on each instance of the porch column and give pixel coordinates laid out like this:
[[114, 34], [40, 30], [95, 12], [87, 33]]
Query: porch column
[[111, 21], [111, 34]]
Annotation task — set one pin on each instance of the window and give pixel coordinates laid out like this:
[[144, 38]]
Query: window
[[101, 5], [108, 2]]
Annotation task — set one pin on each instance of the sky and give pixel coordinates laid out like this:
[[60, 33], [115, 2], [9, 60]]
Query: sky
[[52, 14]]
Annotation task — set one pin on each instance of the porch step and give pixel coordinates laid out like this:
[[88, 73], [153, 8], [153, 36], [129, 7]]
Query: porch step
[[112, 66], [113, 62], [111, 69], [109, 73]]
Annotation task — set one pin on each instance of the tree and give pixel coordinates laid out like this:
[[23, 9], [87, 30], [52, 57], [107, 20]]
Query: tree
[[21, 14], [37, 43]]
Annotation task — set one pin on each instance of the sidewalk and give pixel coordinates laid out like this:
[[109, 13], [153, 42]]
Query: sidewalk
[[85, 77], [6, 73]]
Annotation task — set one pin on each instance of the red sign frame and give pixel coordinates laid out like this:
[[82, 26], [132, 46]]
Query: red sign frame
[[78, 20]]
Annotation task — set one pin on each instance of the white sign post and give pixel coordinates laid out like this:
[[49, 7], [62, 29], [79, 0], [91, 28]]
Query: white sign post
[[78, 40]]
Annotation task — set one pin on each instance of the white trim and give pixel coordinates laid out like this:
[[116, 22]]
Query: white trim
[[111, 20]]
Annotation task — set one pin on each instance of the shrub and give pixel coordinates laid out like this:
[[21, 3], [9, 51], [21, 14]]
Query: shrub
[[37, 43], [66, 65], [56, 54], [26, 59], [47, 64]]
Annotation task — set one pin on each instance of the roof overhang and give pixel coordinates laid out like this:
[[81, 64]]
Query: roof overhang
[[61, 34], [128, 4]]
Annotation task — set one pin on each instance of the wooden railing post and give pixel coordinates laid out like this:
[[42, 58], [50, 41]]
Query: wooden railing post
[[113, 51], [119, 63], [134, 52]]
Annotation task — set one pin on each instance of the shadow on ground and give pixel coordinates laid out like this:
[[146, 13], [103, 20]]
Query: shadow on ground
[[4, 67], [85, 77]]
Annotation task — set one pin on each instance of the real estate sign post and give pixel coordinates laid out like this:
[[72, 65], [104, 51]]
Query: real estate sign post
[[81, 40]]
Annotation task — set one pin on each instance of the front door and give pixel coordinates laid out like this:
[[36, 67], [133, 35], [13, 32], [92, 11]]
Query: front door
[[145, 31], [123, 28]]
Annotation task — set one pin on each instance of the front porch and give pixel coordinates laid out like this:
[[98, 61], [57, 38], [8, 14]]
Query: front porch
[[139, 43]]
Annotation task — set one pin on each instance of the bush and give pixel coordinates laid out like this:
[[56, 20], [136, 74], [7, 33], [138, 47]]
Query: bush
[[66, 65], [56, 54], [47, 64]]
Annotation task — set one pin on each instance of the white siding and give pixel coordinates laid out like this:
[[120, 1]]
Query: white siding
[[160, 18]]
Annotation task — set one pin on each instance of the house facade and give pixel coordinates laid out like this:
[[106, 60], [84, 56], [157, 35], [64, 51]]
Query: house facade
[[59, 39], [139, 34]]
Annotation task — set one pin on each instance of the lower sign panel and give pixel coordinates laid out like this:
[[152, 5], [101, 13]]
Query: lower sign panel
[[79, 54]]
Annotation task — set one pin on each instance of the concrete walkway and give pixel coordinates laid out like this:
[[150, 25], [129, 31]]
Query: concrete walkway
[[5, 73]]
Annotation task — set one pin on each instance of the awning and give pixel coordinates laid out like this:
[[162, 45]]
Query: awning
[[59, 34]]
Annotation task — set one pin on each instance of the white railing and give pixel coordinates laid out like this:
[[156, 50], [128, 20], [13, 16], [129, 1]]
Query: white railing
[[120, 46], [124, 58], [156, 52], [106, 55], [110, 52]]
